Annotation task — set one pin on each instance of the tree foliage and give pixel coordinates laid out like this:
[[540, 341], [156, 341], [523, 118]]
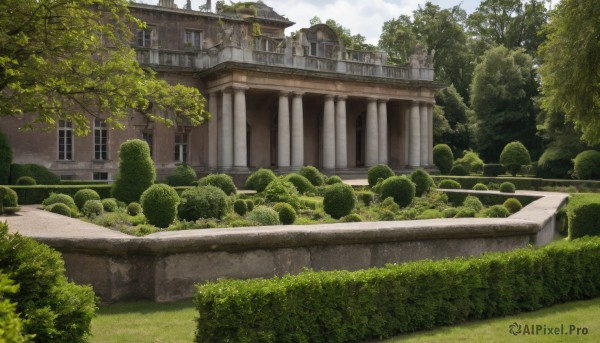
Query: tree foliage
[[570, 69], [70, 59], [460, 134]]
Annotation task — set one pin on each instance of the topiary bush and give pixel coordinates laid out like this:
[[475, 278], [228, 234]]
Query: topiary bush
[[60, 198], [400, 188], [83, 195], [41, 174], [507, 187], [514, 156], [465, 212], [379, 171], [260, 179], [351, 218], [586, 165], [422, 180], [8, 197], [92, 208], [493, 170], [473, 203], [52, 308], [264, 215], [313, 175], [26, 181], [449, 212], [458, 170], [60, 208], [338, 200], [159, 203], [431, 213], [240, 207], [222, 181], [555, 163], [512, 205], [203, 202], [443, 158], [287, 214], [480, 187], [365, 197], [134, 208], [470, 162], [455, 198], [282, 191], [333, 179], [250, 204], [583, 213], [302, 184], [110, 205], [136, 171], [183, 175], [496, 211]]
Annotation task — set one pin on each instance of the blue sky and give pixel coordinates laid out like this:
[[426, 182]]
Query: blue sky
[[360, 16]]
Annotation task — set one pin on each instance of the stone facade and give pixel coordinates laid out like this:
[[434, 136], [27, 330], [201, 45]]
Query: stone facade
[[276, 101]]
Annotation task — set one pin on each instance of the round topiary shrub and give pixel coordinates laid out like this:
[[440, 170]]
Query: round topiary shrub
[[513, 205], [351, 218], [443, 158], [422, 180], [203, 202], [400, 188], [338, 200], [264, 215], [9, 197], [282, 191], [431, 213], [455, 198], [556, 162], [471, 162], [450, 212], [134, 209], [473, 203], [587, 165], [301, 183], [313, 175], [60, 208], [458, 170], [333, 180], [55, 198], [240, 207], [83, 195], [222, 181], [159, 203], [465, 213], [26, 181], [480, 187], [250, 204], [260, 179], [496, 211], [183, 175], [507, 187], [513, 156], [109, 205], [287, 214], [136, 171], [92, 208], [379, 171]]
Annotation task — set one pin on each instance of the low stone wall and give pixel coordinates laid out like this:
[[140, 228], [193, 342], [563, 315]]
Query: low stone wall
[[165, 266]]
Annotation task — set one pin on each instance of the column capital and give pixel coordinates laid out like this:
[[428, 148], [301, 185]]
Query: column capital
[[284, 93], [298, 93], [372, 99], [227, 90], [383, 100], [239, 88], [341, 97], [329, 96]]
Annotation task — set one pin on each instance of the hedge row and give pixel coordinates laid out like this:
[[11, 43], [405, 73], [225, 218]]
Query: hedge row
[[342, 306], [523, 183], [36, 194], [583, 214]]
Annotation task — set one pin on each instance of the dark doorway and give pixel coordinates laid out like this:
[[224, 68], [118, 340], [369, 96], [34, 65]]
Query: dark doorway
[[360, 140]]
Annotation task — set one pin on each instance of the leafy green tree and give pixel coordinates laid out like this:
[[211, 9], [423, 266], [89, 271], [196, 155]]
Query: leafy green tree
[[72, 59], [501, 95], [460, 133], [350, 41], [570, 69]]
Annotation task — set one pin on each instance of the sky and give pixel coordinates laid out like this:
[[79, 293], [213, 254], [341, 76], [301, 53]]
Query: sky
[[365, 17]]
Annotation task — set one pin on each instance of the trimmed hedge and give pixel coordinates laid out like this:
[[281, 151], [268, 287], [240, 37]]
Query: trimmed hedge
[[183, 175], [400, 188], [507, 187], [41, 174], [343, 306], [222, 181], [583, 213], [493, 170], [136, 171], [302, 184], [455, 198], [260, 179], [443, 158], [159, 203], [287, 214], [264, 215], [313, 175], [379, 171], [422, 180], [339, 200], [26, 181], [514, 156], [586, 165], [203, 202], [92, 208], [29, 195], [83, 195]]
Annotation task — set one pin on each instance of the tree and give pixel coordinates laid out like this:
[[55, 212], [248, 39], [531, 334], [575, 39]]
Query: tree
[[570, 69], [460, 134], [71, 59], [350, 41], [501, 96]]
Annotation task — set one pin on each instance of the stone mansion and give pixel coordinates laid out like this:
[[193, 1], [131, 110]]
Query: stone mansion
[[276, 101]]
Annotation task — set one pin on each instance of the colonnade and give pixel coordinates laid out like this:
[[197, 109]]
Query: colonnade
[[227, 146]]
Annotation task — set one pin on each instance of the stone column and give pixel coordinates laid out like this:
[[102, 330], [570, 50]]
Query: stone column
[[240, 151], [297, 131], [406, 130], [329, 133], [227, 129], [414, 149], [424, 133], [283, 131], [341, 150], [382, 131], [430, 135], [371, 134], [213, 131]]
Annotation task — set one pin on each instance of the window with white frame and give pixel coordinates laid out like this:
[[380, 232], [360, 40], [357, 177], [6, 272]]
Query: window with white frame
[[100, 140], [65, 140], [100, 176], [144, 36], [313, 49], [181, 146], [193, 39]]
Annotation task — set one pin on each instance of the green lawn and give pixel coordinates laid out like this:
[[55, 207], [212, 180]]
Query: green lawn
[[145, 322]]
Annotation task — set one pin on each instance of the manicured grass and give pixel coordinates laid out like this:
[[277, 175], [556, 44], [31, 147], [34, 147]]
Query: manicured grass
[[147, 322], [578, 313]]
